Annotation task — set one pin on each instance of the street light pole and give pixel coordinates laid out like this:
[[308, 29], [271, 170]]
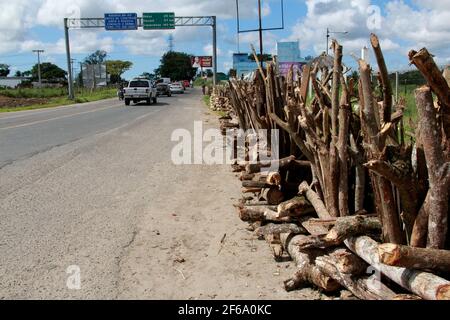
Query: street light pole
[[39, 65], [328, 37]]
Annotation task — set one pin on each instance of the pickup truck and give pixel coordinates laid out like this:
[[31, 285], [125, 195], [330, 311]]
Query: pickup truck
[[140, 90]]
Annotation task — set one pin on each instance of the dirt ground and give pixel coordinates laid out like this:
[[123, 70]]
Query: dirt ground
[[7, 102], [195, 247]]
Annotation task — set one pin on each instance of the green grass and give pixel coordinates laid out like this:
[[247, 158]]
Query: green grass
[[80, 97], [34, 92], [207, 100]]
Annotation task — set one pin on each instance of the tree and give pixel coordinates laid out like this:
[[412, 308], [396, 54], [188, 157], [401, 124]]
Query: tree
[[148, 75], [232, 73], [176, 66], [18, 74], [116, 68], [98, 57], [4, 70], [49, 71]]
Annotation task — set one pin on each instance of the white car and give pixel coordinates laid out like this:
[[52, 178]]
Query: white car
[[140, 90], [176, 88]]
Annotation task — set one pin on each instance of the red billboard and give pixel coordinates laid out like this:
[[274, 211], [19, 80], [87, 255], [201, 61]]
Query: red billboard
[[202, 62]]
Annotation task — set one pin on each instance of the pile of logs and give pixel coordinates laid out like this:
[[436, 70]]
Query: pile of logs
[[358, 203]]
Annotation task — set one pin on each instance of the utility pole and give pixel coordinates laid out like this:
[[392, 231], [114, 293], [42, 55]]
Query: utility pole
[[214, 27], [72, 61], [328, 37], [260, 31], [81, 84], [70, 76], [39, 65]]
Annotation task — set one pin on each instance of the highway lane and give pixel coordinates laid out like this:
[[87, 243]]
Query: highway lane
[[23, 134], [74, 184]]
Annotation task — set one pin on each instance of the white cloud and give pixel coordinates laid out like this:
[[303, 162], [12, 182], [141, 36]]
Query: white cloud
[[402, 28]]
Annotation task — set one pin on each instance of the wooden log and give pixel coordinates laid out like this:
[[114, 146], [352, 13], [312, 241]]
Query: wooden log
[[273, 228], [295, 207], [318, 227], [420, 228], [273, 239], [423, 60], [386, 205], [244, 176], [431, 138], [424, 284], [251, 190], [344, 227], [407, 186], [414, 258], [386, 82], [363, 287], [255, 184], [406, 297], [333, 170], [343, 146], [253, 214], [273, 196], [279, 164], [307, 273], [315, 201]]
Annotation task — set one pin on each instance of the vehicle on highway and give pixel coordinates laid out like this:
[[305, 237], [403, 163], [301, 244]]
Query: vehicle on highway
[[164, 80], [176, 88], [163, 89], [140, 90]]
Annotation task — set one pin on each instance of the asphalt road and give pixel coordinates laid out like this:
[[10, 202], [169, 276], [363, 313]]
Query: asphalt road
[[27, 133], [73, 186], [92, 207]]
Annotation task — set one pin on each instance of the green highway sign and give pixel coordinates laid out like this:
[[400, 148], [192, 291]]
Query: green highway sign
[[158, 20]]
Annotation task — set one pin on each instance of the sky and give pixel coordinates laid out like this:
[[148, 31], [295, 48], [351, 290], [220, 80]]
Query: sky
[[402, 25]]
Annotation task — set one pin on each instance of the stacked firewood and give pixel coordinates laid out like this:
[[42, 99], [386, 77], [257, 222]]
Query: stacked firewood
[[356, 203]]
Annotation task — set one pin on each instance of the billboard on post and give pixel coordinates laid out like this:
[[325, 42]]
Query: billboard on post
[[285, 66], [202, 62]]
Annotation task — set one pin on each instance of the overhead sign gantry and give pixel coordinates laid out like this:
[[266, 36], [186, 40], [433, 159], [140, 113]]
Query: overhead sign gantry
[[130, 21]]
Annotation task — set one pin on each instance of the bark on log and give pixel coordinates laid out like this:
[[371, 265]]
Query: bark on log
[[273, 196], [253, 214], [318, 227], [363, 287], [420, 229], [273, 228], [431, 138], [295, 207], [386, 82], [315, 200], [344, 117], [414, 258], [425, 285], [383, 188], [307, 272], [274, 164], [343, 228]]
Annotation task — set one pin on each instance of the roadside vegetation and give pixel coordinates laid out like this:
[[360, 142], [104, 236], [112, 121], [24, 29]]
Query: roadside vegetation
[[29, 99]]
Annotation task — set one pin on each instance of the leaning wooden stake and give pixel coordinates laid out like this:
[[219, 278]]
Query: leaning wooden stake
[[438, 169]]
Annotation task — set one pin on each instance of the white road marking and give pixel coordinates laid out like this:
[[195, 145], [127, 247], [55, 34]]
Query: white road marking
[[57, 118], [25, 113]]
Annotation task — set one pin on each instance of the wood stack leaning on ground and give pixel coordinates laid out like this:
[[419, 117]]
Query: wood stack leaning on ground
[[356, 203]]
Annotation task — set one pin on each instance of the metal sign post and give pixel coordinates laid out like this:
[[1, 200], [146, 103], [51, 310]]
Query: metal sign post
[[155, 21]]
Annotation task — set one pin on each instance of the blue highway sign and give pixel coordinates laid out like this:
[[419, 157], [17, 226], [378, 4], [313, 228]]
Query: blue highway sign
[[121, 21]]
